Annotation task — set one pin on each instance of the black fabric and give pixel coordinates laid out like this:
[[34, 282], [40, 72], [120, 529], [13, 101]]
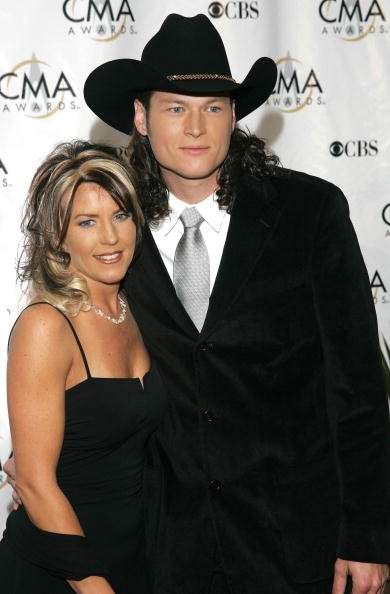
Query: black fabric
[[219, 585], [64, 556], [275, 448], [100, 469]]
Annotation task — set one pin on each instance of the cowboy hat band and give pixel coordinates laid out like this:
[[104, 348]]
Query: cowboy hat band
[[199, 77], [186, 56]]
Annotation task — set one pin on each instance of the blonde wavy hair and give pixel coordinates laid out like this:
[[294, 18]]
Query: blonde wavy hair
[[44, 264]]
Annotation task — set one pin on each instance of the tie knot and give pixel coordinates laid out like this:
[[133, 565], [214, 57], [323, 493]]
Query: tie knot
[[191, 217]]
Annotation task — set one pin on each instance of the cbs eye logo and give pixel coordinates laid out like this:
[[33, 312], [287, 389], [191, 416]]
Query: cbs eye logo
[[216, 10], [354, 148], [336, 149], [234, 10]]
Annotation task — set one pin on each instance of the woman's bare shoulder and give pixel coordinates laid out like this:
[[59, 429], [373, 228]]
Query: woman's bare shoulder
[[40, 324]]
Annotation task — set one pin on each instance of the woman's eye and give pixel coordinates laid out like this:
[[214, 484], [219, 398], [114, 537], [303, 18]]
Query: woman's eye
[[86, 223], [122, 216]]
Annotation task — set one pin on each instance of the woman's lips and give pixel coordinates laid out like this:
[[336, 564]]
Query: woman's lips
[[112, 258]]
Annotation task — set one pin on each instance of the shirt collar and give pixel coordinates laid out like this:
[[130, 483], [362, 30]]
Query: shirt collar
[[208, 208]]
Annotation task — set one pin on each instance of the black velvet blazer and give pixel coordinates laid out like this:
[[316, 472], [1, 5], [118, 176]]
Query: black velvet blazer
[[273, 459]]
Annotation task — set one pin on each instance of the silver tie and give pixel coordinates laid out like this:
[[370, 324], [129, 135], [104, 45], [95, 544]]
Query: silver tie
[[191, 268]]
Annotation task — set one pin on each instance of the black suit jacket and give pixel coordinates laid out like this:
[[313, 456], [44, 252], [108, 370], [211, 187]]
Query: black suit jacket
[[272, 460]]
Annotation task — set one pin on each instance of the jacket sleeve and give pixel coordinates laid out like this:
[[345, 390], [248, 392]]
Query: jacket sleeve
[[356, 398], [64, 556]]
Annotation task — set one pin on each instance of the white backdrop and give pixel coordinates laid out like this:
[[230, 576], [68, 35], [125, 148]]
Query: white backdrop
[[329, 114]]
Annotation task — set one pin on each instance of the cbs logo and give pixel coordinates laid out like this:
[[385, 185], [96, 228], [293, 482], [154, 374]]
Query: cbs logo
[[354, 148], [234, 10]]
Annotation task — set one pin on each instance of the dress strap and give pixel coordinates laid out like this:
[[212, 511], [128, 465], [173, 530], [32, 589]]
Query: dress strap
[[71, 327]]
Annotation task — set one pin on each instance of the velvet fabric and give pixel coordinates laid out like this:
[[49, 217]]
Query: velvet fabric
[[64, 556], [275, 451]]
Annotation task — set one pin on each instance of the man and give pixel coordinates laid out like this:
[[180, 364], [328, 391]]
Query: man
[[269, 473]]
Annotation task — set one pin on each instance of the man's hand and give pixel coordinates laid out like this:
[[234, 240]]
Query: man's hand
[[9, 469], [367, 578]]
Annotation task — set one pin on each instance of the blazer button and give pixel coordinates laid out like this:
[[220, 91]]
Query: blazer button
[[206, 346], [215, 485], [209, 416]]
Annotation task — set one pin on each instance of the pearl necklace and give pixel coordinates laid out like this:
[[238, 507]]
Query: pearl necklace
[[122, 305]]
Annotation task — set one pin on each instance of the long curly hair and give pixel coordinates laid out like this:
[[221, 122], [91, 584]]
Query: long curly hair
[[44, 263], [247, 156]]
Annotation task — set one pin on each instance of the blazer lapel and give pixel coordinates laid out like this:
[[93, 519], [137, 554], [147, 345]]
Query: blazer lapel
[[253, 219], [155, 276]]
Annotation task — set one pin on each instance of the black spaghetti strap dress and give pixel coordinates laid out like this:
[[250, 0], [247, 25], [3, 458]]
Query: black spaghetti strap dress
[[107, 424]]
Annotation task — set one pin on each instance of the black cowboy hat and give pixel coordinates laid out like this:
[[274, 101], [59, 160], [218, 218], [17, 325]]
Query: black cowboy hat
[[186, 55]]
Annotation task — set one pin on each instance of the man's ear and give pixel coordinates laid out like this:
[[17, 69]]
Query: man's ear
[[234, 121], [140, 119]]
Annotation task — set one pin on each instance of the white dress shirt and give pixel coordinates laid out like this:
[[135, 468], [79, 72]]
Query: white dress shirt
[[214, 229]]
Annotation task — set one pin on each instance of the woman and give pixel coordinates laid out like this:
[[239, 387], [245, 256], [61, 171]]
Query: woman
[[83, 394]]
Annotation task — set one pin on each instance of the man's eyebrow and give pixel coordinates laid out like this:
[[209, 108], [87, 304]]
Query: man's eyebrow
[[171, 101], [215, 99], [183, 101]]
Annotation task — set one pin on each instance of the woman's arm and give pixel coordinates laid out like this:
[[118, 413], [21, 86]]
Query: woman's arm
[[40, 357]]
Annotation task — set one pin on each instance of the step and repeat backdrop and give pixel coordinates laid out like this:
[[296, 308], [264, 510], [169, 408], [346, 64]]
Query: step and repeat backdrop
[[329, 114]]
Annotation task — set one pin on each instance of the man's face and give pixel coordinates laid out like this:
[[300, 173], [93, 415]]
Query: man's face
[[189, 135]]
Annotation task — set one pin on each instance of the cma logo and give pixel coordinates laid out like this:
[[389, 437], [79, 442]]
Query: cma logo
[[34, 88], [234, 10], [297, 86], [91, 10], [101, 20], [3, 168], [336, 11], [378, 288], [352, 20], [3, 175], [354, 148], [386, 214]]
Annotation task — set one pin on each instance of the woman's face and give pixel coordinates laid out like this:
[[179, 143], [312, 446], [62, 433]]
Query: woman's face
[[100, 238]]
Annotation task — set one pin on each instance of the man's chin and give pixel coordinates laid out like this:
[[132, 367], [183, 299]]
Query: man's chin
[[190, 175]]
